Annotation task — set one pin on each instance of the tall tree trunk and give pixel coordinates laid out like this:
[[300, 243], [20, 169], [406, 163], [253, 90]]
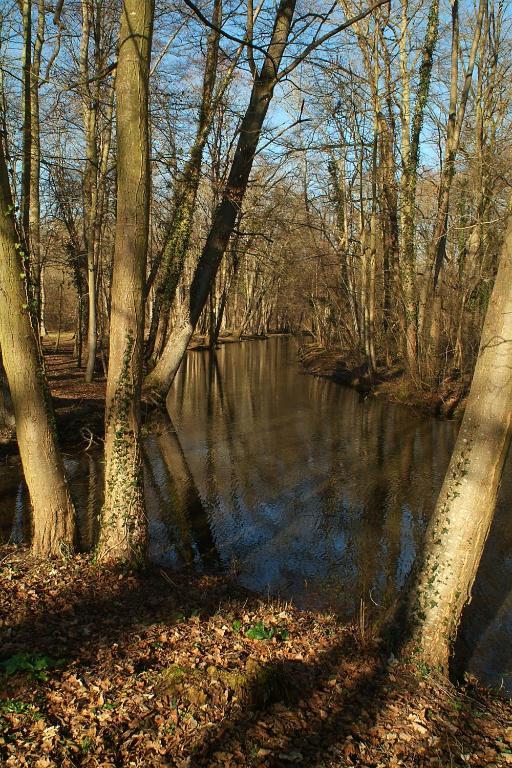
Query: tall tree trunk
[[342, 215], [453, 134], [411, 132], [389, 205], [26, 13], [89, 107], [161, 377], [34, 214], [7, 423], [123, 534], [464, 511], [430, 301], [52, 508]]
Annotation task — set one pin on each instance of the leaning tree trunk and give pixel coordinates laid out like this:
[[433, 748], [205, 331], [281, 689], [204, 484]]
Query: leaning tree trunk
[[123, 535], [161, 377], [52, 508], [459, 526], [176, 245]]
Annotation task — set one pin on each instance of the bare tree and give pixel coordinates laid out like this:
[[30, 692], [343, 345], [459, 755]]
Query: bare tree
[[123, 519], [52, 508]]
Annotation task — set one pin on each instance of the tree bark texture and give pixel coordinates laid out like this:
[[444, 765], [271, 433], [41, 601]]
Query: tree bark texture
[[52, 509], [123, 535]]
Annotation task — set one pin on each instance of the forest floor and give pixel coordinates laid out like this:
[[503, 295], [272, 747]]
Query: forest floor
[[79, 406], [388, 381], [103, 668]]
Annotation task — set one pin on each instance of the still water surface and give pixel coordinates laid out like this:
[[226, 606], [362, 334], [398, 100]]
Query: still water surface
[[301, 488]]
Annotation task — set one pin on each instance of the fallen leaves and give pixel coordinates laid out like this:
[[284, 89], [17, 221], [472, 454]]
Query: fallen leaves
[[167, 674]]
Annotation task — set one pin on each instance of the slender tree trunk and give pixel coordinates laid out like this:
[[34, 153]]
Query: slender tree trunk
[[42, 301], [372, 263], [411, 158], [458, 529], [430, 301], [454, 130], [7, 423], [52, 508], [34, 214], [123, 534], [161, 377], [389, 217], [26, 12], [89, 108], [347, 284]]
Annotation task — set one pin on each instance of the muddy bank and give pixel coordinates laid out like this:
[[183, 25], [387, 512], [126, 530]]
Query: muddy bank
[[111, 668], [389, 382]]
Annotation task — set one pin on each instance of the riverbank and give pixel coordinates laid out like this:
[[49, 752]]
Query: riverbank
[[389, 382], [80, 406], [105, 668]]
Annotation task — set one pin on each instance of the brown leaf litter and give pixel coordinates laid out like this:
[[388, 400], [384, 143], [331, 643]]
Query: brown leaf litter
[[155, 669]]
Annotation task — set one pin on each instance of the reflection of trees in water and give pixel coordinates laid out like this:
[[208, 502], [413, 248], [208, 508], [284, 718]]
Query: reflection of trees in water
[[184, 522], [12, 500], [301, 478], [18, 528], [313, 491], [88, 527], [85, 473]]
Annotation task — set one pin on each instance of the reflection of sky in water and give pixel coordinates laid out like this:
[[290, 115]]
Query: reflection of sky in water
[[407, 548], [301, 487]]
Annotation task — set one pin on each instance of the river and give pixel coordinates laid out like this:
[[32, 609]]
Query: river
[[302, 489]]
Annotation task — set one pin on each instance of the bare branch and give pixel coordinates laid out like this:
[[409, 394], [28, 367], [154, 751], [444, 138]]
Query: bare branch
[[316, 43]]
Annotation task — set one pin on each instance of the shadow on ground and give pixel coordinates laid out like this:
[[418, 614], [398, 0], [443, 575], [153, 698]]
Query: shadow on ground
[[156, 669]]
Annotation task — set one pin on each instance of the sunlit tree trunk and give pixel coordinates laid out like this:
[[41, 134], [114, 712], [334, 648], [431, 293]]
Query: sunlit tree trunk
[[7, 424], [337, 173], [26, 13], [473, 229], [430, 301], [52, 508], [97, 121], [123, 535], [389, 216], [89, 110], [464, 511], [372, 265], [453, 134], [99, 211]]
